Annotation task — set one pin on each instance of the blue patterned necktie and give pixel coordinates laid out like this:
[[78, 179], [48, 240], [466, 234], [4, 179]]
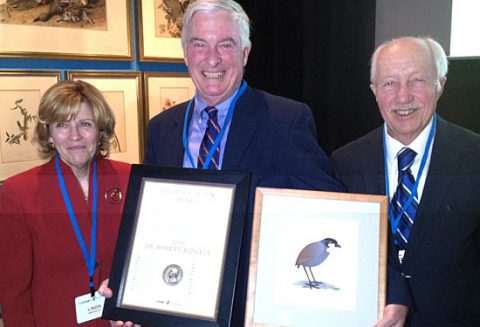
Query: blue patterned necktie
[[209, 138], [406, 181]]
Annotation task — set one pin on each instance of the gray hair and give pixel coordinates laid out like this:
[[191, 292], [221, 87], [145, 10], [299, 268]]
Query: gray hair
[[437, 52], [238, 16]]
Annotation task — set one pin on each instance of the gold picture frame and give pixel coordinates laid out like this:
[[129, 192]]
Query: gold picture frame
[[102, 31], [20, 94], [122, 90], [317, 257], [164, 90], [159, 28]]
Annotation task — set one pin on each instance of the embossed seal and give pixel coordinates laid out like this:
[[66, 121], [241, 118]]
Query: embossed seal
[[114, 196], [172, 275]]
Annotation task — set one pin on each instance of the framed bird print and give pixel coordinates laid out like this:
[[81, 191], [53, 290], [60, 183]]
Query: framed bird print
[[160, 28], [72, 29], [317, 259]]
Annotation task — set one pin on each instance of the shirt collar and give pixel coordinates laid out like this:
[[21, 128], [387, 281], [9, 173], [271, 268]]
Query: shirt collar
[[222, 107], [418, 145]]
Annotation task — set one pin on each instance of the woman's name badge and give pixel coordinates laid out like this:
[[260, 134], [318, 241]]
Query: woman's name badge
[[88, 307]]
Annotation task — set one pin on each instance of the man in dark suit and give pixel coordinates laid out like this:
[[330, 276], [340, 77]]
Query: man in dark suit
[[229, 125], [434, 268], [272, 137]]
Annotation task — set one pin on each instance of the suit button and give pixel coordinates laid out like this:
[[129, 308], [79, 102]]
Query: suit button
[[406, 276]]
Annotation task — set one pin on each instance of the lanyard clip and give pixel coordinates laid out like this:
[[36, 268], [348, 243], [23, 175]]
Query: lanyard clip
[[92, 287]]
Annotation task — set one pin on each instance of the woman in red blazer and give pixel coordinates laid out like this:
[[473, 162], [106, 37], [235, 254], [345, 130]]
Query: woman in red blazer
[[59, 221]]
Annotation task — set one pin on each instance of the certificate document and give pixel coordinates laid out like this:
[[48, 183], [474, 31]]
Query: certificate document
[[177, 256]]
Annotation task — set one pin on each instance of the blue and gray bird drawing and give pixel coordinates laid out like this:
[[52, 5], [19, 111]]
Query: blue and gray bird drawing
[[314, 254]]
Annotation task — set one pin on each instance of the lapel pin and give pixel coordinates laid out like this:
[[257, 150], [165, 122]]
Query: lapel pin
[[114, 196]]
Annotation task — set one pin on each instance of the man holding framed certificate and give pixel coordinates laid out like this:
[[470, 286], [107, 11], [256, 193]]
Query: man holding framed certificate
[[231, 126], [273, 138]]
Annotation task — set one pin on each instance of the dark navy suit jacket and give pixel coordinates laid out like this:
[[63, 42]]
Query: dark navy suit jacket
[[442, 262], [271, 137]]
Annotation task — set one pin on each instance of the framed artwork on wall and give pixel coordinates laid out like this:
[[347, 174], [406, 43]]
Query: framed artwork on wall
[[20, 94], [317, 258], [122, 90], [159, 29], [95, 30], [164, 90]]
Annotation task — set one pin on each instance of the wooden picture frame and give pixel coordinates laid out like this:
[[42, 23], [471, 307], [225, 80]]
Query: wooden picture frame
[[122, 90], [166, 271], [317, 258], [164, 90], [102, 31], [20, 94], [159, 30]]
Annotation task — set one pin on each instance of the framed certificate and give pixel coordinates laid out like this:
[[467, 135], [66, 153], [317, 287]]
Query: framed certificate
[[178, 247], [317, 259]]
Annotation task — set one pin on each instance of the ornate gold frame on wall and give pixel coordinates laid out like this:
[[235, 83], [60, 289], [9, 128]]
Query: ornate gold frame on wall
[[122, 91], [20, 94], [34, 41], [151, 46], [164, 90]]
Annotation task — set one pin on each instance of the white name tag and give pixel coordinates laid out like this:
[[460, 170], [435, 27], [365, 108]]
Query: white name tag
[[88, 307]]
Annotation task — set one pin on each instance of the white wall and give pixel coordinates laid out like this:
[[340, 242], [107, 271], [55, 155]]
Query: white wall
[[395, 18]]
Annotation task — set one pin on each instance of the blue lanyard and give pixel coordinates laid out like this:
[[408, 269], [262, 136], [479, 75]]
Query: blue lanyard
[[89, 257], [219, 137], [394, 221]]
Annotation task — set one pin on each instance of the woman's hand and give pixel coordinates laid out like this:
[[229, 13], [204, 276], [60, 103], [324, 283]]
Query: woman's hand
[[108, 293]]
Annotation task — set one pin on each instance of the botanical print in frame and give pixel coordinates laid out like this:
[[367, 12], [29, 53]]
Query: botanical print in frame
[[317, 259], [122, 92], [73, 29], [20, 94], [164, 90], [160, 26]]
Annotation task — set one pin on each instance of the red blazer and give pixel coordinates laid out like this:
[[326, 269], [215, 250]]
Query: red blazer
[[41, 263]]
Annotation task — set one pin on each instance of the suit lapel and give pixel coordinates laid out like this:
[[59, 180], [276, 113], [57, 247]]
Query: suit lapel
[[248, 115], [176, 135], [439, 178], [373, 163]]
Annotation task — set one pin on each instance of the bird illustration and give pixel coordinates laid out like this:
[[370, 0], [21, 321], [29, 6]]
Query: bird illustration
[[314, 254]]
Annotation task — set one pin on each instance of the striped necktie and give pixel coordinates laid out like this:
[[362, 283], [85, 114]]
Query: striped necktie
[[209, 138], [406, 181]]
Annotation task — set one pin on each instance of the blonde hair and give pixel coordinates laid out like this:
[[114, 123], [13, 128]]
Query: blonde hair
[[61, 102]]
